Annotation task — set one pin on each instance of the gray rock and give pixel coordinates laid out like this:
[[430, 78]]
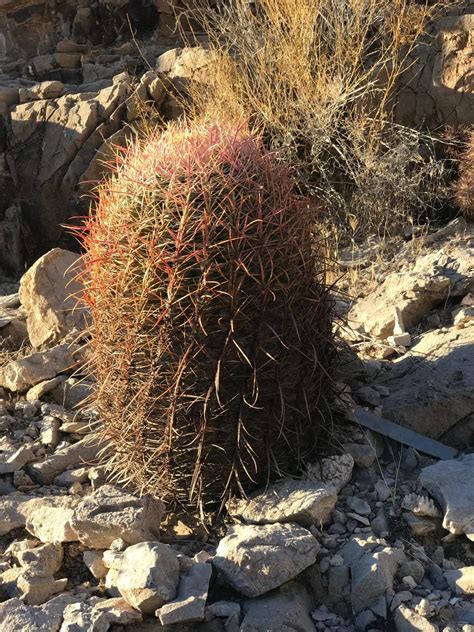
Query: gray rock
[[450, 397], [358, 505], [368, 395], [148, 575], [406, 620], [334, 470], [450, 483], [49, 518], [256, 559], [362, 453], [190, 602], [372, 576], [287, 610], [223, 609], [98, 616], [47, 558], [303, 502], [414, 569], [110, 513], [17, 616], [10, 463]]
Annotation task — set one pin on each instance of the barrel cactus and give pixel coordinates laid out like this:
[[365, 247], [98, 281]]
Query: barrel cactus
[[211, 323]]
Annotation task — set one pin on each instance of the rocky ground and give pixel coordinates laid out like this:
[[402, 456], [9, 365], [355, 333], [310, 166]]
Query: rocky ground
[[376, 536]]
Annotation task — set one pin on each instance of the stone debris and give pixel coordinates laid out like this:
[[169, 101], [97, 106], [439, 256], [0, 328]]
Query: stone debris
[[256, 559], [303, 502], [420, 505]]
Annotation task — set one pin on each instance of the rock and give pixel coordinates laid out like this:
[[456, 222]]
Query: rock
[[435, 277], [12, 512], [84, 451], [382, 490], [110, 513], [69, 477], [47, 558], [37, 392], [363, 454], [50, 293], [450, 483], [450, 397], [420, 505], [73, 393], [372, 576], [49, 518], [406, 620], [461, 580], [34, 587], [223, 609], [419, 525], [190, 602], [368, 395], [21, 375], [400, 340], [17, 616], [17, 460], [335, 470], [148, 575], [359, 506], [303, 502], [256, 559], [50, 431], [412, 568], [285, 610], [94, 560], [98, 616]]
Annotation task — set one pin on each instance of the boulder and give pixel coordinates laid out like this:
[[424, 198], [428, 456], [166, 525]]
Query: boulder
[[256, 559], [50, 292], [450, 484], [110, 513], [413, 293], [21, 375], [190, 602], [442, 360], [148, 575], [303, 502]]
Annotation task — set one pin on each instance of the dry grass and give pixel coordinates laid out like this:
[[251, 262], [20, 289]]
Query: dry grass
[[319, 78]]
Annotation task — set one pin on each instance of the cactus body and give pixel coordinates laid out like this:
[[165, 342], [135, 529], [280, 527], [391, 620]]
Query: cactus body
[[211, 332]]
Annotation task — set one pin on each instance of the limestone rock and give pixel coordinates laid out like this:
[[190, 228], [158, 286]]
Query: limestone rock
[[50, 292], [12, 512], [110, 513], [49, 518], [285, 610], [257, 559], [20, 375], [333, 470], [41, 389], [94, 560], [435, 276], [148, 575], [98, 616], [17, 616], [303, 502], [450, 483], [420, 505], [372, 576], [84, 451], [407, 620], [461, 580], [10, 463], [190, 602], [47, 558], [443, 361]]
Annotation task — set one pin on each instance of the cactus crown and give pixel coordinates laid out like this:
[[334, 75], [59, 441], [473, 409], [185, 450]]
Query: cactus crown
[[211, 329]]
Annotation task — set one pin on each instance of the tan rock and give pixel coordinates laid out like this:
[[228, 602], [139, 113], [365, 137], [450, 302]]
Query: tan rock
[[50, 293], [49, 518], [21, 375]]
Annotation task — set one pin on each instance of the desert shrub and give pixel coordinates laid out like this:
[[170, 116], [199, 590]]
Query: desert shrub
[[211, 324], [464, 186], [319, 77]]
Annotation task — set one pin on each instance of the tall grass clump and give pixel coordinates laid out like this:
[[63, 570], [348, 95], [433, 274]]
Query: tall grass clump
[[211, 322], [320, 78]]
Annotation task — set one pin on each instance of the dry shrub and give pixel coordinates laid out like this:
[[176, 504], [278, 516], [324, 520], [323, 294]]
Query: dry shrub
[[211, 335], [319, 77], [464, 186]]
